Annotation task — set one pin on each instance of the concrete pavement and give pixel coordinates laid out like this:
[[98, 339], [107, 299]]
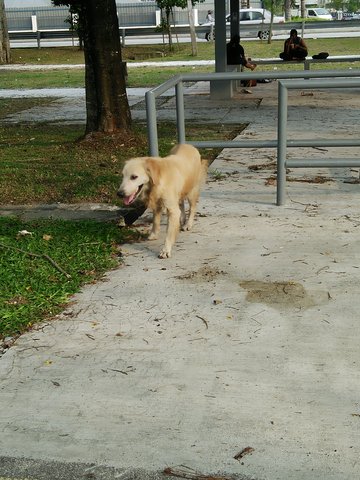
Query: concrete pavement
[[247, 337]]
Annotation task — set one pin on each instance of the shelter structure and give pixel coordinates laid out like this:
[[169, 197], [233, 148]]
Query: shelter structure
[[223, 88]]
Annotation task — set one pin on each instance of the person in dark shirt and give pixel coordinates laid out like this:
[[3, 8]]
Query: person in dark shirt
[[235, 54], [294, 47]]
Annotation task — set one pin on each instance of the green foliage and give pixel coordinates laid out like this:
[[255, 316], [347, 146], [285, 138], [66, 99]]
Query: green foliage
[[353, 5], [345, 5], [168, 6], [171, 4], [336, 4], [42, 269], [275, 6]]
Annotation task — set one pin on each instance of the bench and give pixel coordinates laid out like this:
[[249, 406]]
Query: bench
[[308, 60]]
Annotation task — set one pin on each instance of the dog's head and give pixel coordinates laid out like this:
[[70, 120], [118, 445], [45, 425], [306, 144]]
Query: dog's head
[[138, 175]]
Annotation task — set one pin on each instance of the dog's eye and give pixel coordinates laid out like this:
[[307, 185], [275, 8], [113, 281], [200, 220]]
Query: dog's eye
[[133, 177]]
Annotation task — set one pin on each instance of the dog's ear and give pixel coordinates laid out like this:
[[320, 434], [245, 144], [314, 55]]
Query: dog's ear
[[153, 169]]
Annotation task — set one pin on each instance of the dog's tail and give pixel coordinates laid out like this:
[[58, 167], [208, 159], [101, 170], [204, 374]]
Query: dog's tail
[[204, 169]]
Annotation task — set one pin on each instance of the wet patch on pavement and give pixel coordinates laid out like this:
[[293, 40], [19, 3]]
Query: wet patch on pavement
[[281, 295]]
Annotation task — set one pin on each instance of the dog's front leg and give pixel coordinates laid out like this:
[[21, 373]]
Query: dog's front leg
[[172, 231], [156, 223]]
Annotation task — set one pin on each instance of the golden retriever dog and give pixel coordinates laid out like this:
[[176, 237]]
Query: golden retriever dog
[[164, 184]]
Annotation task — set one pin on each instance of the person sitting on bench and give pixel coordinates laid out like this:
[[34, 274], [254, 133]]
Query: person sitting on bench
[[294, 47], [235, 54]]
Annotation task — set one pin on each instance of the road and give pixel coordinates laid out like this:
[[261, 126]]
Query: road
[[346, 32]]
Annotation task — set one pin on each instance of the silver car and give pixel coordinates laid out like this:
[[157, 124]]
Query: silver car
[[249, 17]]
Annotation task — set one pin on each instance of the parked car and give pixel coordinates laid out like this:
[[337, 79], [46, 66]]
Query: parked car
[[253, 16], [319, 14]]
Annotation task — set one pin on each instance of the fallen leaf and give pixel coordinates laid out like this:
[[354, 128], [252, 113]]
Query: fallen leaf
[[244, 451]]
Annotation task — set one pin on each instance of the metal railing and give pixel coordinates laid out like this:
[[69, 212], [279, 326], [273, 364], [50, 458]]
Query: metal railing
[[129, 15], [143, 14], [282, 142], [332, 79]]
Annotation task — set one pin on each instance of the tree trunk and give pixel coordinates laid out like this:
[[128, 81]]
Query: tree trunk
[[302, 9], [5, 56], [168, 13], [271, 21], [287, 10], [107, 105], [192, 29]]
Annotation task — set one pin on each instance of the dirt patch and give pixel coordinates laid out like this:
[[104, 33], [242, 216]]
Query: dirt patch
[[144, 55], [281, 294], [262, 166], [204, 274], [318, 179], [111, 142]]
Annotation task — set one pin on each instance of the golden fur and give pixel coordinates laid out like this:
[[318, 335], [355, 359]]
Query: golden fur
[[165, 183]]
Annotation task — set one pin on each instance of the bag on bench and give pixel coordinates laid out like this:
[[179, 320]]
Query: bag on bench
[[320, 56]]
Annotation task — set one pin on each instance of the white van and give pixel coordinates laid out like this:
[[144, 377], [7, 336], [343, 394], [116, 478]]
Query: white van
[[319, 13]]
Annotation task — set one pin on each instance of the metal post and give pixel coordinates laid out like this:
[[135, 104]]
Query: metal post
[[34, 25], [220, 89], [180, 112], [281, 149], [306, 66], [151, 124], [38, 38], [234, 18], [122, 35]]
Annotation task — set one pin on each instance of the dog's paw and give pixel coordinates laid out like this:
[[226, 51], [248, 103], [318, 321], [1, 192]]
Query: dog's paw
[[153, 236], [164, 253], [187, 227]]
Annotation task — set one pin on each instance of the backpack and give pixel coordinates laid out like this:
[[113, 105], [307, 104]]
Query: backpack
[[320, 56]]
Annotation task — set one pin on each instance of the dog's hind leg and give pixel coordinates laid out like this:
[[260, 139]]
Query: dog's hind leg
[[183, 214], [156, 223], [173, 225], [193, 198]]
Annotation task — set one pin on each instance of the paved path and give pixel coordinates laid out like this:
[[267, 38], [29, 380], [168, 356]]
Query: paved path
[[247, 337]]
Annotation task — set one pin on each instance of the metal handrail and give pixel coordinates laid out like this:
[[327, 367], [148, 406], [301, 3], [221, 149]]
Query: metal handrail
[[283, 143], [178, 81], [288, 80]]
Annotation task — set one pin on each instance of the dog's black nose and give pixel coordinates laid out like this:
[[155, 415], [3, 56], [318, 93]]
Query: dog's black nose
[[120, 193]]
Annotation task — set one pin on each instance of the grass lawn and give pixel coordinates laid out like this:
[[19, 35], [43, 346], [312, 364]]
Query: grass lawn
[[182, 51], [151, 76], [46, 164], [41, 270]]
